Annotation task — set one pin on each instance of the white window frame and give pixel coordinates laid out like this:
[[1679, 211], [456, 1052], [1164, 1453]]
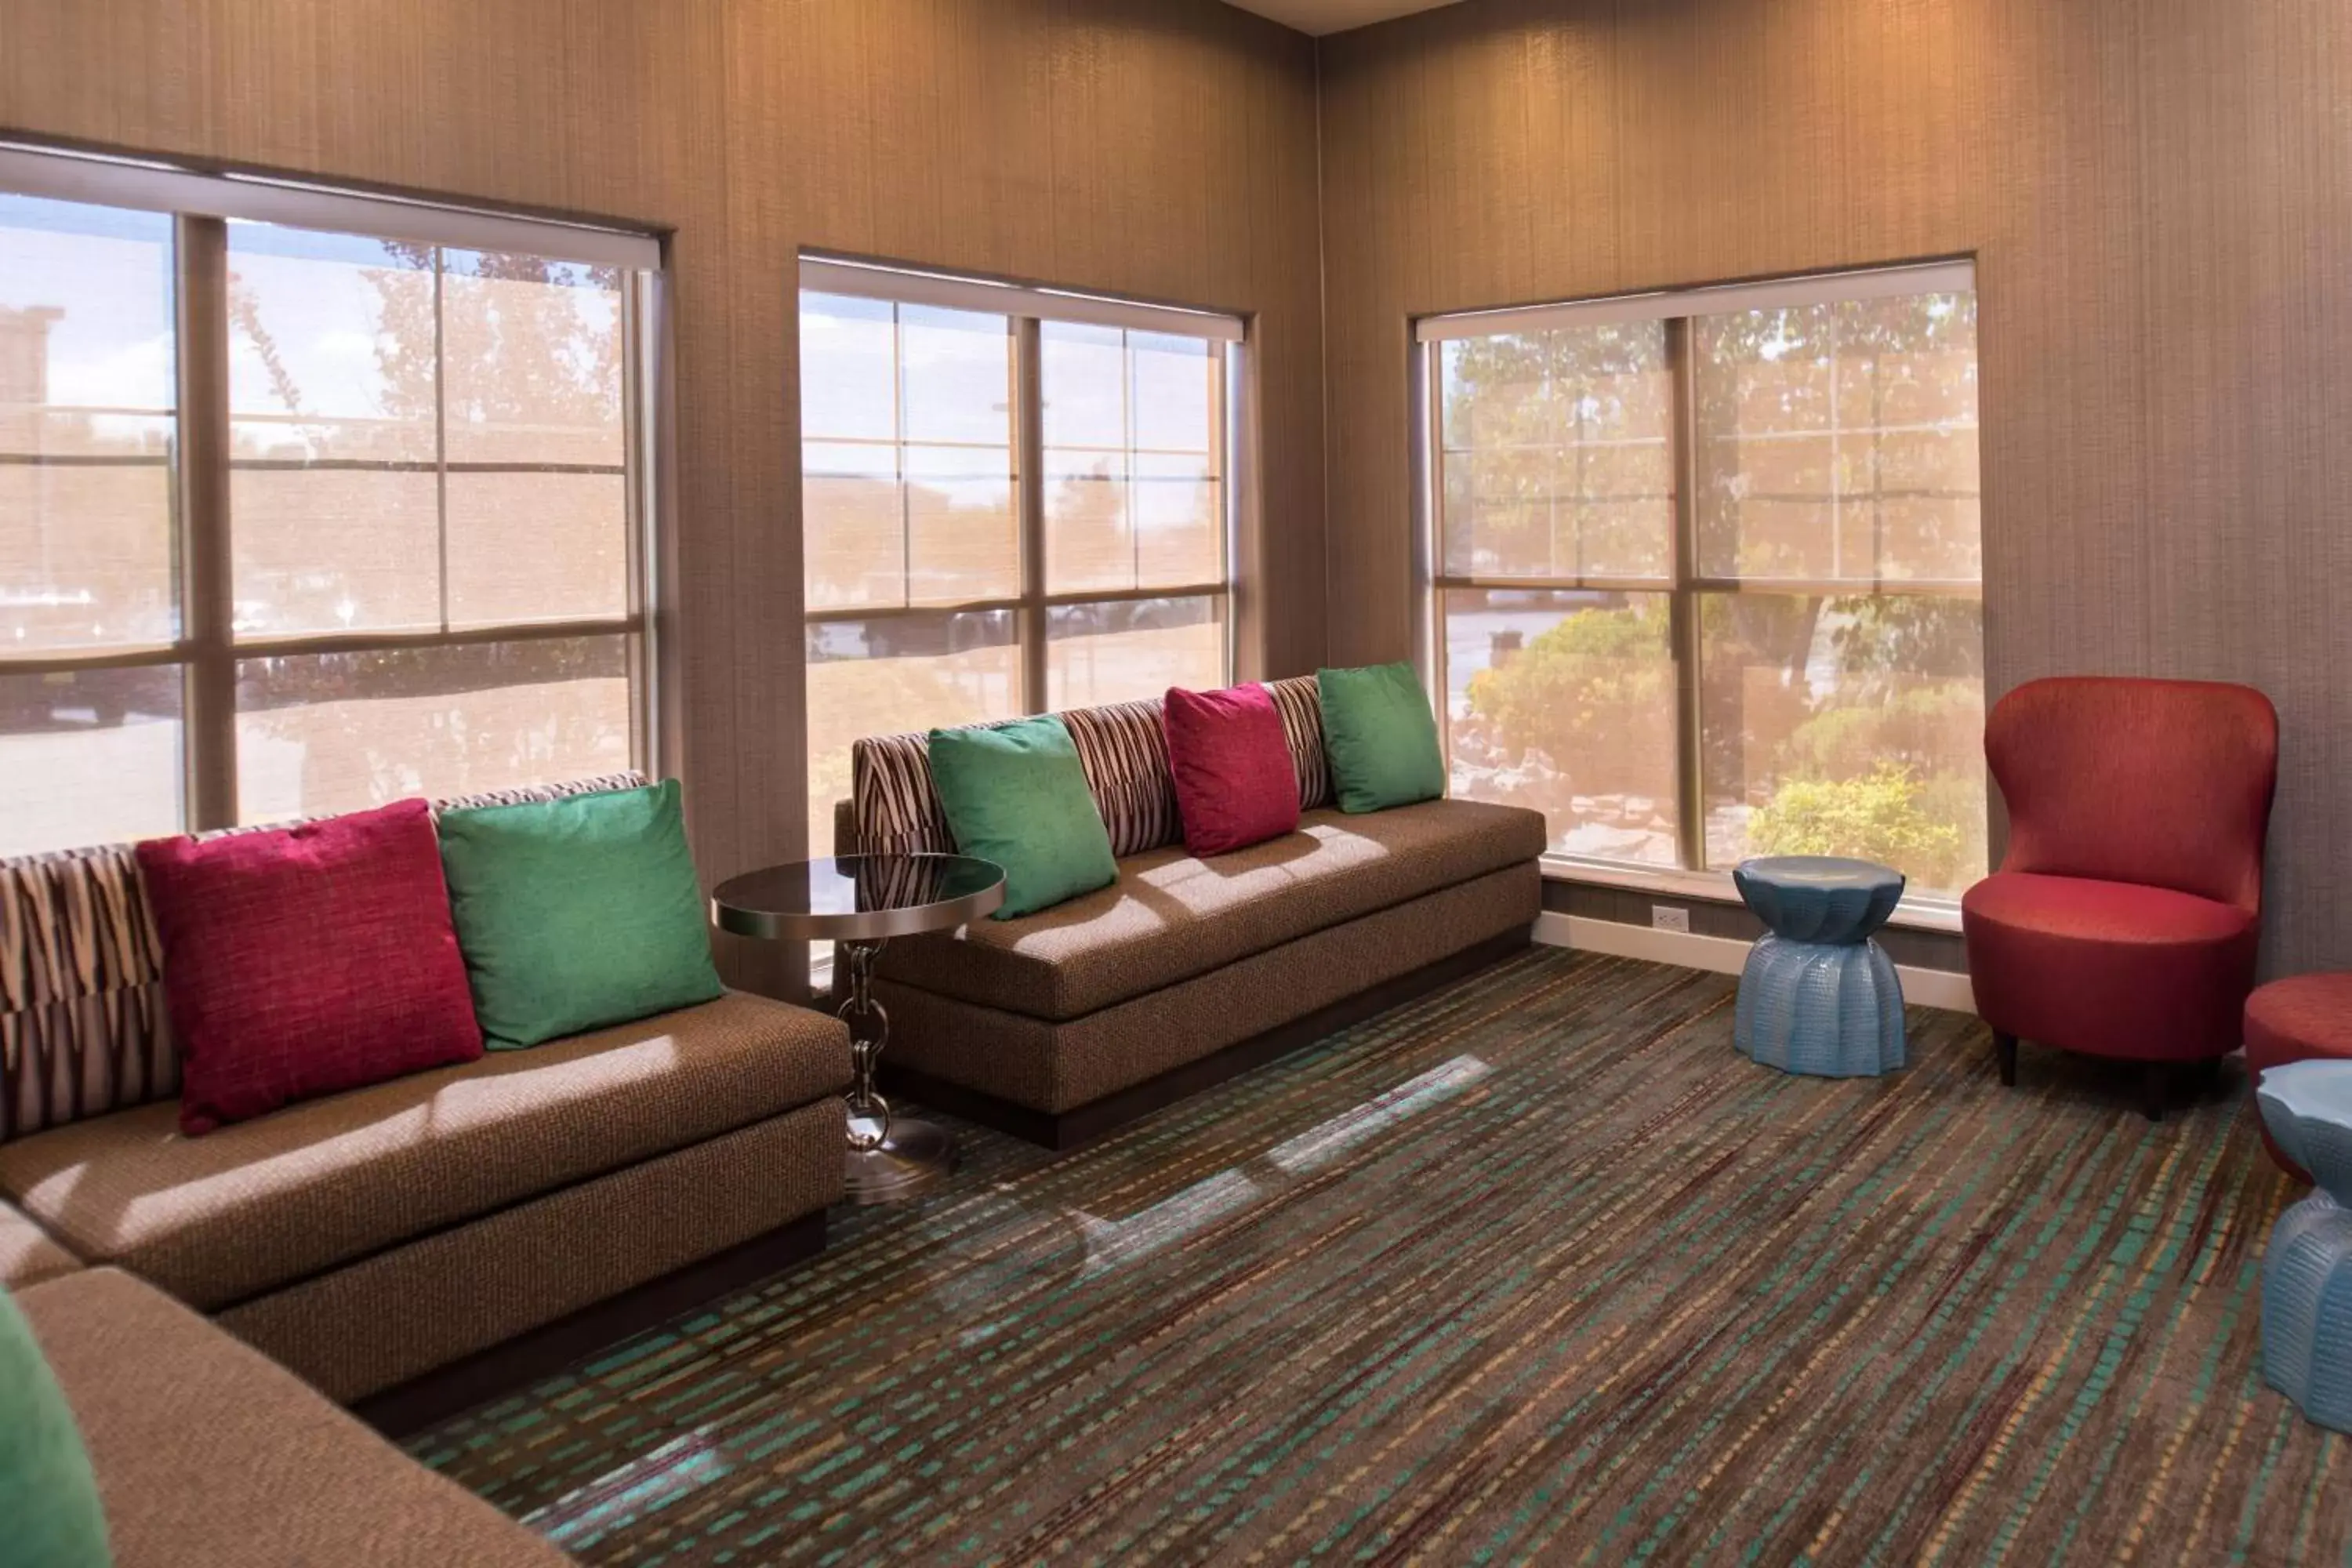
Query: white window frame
[[206, 650], [1675, 308]]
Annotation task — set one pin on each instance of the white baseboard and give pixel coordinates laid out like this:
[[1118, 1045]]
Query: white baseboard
[[1725, 955]]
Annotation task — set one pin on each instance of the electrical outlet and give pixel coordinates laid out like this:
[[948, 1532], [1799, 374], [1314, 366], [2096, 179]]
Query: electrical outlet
[[1666, 918]]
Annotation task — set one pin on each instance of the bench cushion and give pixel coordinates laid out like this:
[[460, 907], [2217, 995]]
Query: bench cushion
[[1171, 917], [209, 1454], [28, 1255], [257, 1206]]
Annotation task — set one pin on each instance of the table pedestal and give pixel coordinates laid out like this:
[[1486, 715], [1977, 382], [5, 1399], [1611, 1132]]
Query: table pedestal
[[889, 1157], [1827, 1009], [1817, 995], [2306, 1108]]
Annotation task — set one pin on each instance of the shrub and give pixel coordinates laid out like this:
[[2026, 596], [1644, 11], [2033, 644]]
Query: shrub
[[1588, 692], [1875, 817]]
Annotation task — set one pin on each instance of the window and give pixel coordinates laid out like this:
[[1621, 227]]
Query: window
[[1707, 572], [1014, 500], [298, 519]]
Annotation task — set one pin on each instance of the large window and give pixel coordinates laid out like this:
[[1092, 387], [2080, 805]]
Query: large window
[[299, 520], [1014, 501], [1705, 572]]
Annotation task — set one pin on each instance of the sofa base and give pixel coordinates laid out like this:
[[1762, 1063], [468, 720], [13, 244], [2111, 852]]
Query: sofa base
[[542, 1352], [380, 1322], [1084, 1124]]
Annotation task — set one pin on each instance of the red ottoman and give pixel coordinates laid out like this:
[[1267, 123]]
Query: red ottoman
[[2294, 1020]]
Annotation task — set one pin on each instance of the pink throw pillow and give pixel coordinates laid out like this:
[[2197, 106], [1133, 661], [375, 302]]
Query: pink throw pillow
[[306, 960], [1235, 782]]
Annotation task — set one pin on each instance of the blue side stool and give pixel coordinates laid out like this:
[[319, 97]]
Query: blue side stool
[[1818, 995], [2307, 1272]]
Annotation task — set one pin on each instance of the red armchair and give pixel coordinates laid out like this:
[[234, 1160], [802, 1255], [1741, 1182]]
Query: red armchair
[[2124, 918]]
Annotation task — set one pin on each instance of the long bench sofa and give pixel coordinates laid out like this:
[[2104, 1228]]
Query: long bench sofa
[[1061, 1025], [409, 1246]]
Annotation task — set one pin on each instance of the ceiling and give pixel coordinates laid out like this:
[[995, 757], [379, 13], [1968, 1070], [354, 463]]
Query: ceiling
[[1321, 17]]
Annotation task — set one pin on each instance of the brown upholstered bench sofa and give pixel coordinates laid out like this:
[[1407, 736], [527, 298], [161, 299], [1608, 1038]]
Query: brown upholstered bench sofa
[[415, 1244], [209, 1456], [1060, 1025]]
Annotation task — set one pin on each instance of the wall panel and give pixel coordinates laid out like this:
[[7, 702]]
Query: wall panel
[[2156, 194]]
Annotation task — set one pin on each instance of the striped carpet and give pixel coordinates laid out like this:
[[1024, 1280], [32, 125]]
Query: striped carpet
[[1534, 1269]]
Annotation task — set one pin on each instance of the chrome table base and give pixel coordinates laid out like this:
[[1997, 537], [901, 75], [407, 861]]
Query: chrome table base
[[889, 1157]]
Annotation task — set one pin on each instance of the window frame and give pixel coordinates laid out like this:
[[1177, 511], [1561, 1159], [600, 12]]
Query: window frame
[[1027, 311], [1685, 585], [206, 649]]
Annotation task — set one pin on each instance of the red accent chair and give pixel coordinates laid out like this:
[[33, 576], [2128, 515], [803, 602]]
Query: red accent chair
[[2305, 1017], [2124, 918]]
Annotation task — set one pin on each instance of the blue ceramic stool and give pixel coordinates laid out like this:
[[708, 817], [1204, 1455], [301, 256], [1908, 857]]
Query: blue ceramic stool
[[1818, 995], [2307, 1272]]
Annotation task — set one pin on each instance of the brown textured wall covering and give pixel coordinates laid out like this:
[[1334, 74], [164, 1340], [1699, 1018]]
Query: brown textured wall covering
[[2156, 194], [1159, 148]]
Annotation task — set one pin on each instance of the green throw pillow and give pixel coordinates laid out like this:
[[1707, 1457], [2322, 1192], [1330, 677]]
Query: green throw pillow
[[1016, 795], [50, 1510], [1381, 739], [576, 914]]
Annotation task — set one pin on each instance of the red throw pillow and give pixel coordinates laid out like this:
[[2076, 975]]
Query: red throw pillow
[[1234, 784], [306, 960]]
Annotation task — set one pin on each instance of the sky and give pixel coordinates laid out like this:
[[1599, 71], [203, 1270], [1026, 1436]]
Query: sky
[[109, 272]]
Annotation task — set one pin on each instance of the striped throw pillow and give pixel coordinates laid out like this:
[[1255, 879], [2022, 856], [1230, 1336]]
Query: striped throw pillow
[[891, 798], [1301, 702], [1125, 754]]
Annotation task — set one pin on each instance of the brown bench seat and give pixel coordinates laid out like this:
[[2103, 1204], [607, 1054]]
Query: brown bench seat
[[1169, 917], [207, 1455], [27, 1252], [259, 1205], [367, 1237]]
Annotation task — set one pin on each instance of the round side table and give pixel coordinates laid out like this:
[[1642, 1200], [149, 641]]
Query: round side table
[[859, 903], [2306, 1109], [1818, 995]]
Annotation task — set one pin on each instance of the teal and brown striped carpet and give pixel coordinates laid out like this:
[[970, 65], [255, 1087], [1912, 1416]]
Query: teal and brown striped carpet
[[1534, 1269]]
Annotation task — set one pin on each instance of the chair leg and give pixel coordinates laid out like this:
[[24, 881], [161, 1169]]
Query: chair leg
[[2005, 1048], [2155, 1079]]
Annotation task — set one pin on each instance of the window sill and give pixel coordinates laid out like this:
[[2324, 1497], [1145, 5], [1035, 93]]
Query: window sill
[[1911, 914]]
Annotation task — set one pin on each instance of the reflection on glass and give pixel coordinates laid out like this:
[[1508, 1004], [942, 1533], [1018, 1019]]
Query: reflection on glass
[[1134, 458], [962, 540], [1131, 649], [1563, 702], [334, 506], [1838, 442], [90, 757], [86, 400], [533, 546], [897, 674], [849, 369], [531, 354], [1846, 726], [906, 454], [955, 377], [422, 437], [329, 732], [1556, 459]]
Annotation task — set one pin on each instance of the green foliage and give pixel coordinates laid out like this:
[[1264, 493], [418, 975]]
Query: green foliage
[[1878, 816], [1922, 728], [1589, 692]]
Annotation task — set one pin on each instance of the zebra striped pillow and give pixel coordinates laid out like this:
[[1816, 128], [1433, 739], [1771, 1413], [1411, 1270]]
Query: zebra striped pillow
[[1125, 754], [1301, 702], [891, 798]]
